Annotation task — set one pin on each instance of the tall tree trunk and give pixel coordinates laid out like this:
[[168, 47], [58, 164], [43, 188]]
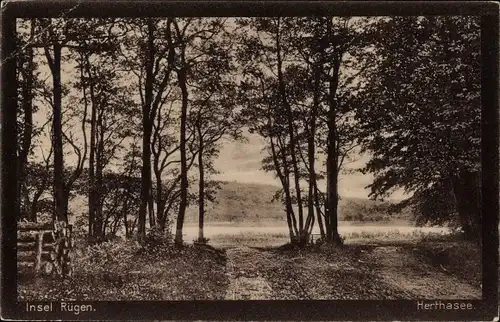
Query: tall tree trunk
[[146, 137], [291, 133], [467, 191], [146, 177], [310, 194], [59, 185], [332, 151], [181, 74], [201, 187], [284, 184], [160, 203], [99, 228], [27, 105], [312, 150], [332, 194], [92, 200], [161, 200], [288, 195]]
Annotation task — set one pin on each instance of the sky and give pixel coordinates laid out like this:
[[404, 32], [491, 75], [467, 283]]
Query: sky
[[240, 161]]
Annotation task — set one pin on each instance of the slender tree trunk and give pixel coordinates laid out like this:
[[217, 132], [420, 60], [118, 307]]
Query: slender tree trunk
[[145, 182], [151, 211], [59, 186], [98, 181], [157, 171], [184, 176], [28, 130], [288, 203], [285, 182], [169, 206], [291, 133], [310, 194], [160, 202], [92, 201], [201, 188], [146, 138], [312, 148], [311, 185], [92, 192], [318, 211]]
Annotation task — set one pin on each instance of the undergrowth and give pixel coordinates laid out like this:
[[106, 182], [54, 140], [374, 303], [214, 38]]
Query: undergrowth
[[127, 270]]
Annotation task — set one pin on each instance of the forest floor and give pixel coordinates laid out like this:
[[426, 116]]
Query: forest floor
[[398, 271], [362, 269], [120, 271]]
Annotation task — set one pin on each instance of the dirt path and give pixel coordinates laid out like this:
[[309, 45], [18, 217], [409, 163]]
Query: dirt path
[[384, 272], [246, 282], [400, 267]]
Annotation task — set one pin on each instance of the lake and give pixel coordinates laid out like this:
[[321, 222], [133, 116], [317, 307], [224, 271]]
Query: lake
[[345, 228]]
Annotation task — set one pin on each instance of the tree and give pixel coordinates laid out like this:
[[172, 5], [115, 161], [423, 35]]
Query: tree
[[29, 84], [52, 45], [420, 114], [212, 116], [294, 69], [111, 112], [54, 35], [194, 38], [152, 63], [331, 46], [267, 62], [103, 97]]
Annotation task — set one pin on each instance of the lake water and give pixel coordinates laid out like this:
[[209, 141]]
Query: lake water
[[191, 232]]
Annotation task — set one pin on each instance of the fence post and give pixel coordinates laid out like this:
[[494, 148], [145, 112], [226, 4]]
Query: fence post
[[39, 249]]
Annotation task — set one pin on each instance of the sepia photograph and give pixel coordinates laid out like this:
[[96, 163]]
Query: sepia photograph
[[195, 158]]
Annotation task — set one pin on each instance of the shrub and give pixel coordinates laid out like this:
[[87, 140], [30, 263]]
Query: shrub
[[106, 256], [203, 240]]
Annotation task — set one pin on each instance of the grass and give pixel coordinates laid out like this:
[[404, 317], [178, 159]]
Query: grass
[[249, 239], [455, 256], [393, 235], [262, 239]]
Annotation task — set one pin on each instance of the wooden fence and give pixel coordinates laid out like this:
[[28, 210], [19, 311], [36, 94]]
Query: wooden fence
[[45, 247]]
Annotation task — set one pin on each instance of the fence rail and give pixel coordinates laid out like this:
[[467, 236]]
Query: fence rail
[[45, 247]]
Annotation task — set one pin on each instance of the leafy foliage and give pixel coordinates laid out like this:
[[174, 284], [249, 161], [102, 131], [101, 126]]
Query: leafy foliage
[[419, 109]]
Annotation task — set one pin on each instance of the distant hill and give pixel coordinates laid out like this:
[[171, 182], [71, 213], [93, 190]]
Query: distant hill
[[251, 203]]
